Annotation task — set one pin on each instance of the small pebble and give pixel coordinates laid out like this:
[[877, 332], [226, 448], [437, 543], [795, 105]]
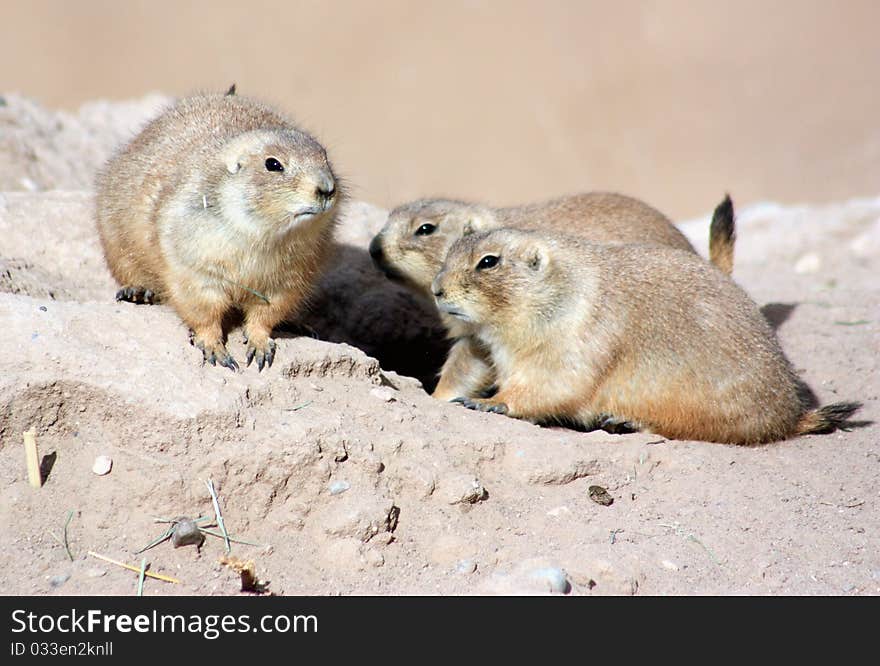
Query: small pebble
[[466, 566], [186, 533], [43, 308], [867, 244], [558, 511], [102, 465], [339, 487], [669, 564], [96, 573], [28, 184], [600, 496], [461, 489], [809, 263], [59, 580], [554, 578], [384, 393]]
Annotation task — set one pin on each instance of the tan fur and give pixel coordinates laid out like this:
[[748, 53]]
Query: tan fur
[[189, 211], [652, 336], [468, 368], [415, 259]]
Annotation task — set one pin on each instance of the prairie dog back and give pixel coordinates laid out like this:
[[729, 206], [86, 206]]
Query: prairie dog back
[[414, 241]]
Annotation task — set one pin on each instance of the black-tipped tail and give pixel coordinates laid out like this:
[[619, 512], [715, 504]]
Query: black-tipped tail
[[722, 236], [826, 419], [231, 90]]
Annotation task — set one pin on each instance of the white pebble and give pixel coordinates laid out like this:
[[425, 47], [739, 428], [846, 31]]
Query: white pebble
[[466, 566], [867, 244], [669, 564], [27, 184], [554, 578], [339, 487], [384, 393], [102, 465], [809, 263]]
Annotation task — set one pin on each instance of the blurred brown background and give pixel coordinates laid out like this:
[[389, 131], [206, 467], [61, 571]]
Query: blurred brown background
[[506, 102]]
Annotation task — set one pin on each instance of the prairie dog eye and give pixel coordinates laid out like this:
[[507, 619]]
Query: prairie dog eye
[[426, 229], [489, 261], [273, 165]]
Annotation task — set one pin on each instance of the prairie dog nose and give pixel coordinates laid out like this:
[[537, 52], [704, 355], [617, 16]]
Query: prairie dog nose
[[437, 288], [326, 186], [376, 252]]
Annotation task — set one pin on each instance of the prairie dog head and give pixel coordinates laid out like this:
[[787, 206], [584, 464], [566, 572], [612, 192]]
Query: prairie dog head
[[415, 239], [502, 278], [280, 176]]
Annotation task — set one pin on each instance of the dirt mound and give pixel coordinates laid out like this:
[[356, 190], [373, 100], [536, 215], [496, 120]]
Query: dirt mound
[[45, 150]]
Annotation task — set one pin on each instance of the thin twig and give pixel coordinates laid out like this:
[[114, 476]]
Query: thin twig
[[165, 536], [177, 520], [167, 579], [691, 537], [64, 542], [218, 534], [852, 505], [218, 516], [298, 407], [141, 577]]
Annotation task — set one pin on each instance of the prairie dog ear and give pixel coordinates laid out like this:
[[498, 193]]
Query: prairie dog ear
[[537, 256], [238, 147], [233, 165], [472, 225], [232, 155]]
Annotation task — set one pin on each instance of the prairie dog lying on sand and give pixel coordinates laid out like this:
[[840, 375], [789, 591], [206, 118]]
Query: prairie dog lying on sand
[[654, 338]]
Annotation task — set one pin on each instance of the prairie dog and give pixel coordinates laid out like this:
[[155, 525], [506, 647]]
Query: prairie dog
[[651, 337], [414, 241], [220, 203]]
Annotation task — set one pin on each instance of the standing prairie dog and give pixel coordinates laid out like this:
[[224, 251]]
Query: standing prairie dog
[[651, 337], [411, 247], [220, 203]]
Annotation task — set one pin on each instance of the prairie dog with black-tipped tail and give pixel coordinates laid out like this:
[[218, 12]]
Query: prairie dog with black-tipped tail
[[220, 203], [653, 338], [411, 247]]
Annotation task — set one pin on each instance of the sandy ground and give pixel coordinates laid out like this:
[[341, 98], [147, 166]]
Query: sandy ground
[[350, 477]]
